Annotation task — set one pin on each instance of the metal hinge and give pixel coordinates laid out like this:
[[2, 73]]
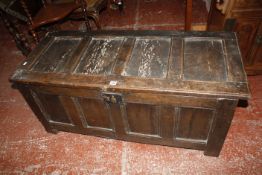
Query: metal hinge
[[110, 97]]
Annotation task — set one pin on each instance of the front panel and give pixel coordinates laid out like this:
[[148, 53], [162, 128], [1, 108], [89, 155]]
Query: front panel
[[165, 124], [84, 114], [183, 123]]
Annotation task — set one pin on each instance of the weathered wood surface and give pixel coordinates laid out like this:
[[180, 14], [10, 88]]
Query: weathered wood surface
[[194, 62], [168, 88]]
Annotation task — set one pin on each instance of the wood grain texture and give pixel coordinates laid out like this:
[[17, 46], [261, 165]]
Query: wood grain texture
[[100, 56], [204, 60], [194, 123], [174, 63], [51, 61], [149, 58], [224, 115], [169, 88]]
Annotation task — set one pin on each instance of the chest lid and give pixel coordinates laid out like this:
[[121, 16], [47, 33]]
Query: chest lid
[[177, 62]]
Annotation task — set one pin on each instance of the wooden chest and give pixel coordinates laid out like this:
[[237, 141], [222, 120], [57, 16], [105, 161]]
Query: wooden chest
[[159, 87]]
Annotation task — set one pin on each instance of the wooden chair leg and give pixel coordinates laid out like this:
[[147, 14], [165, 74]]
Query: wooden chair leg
[[188, 21], [34, 34], [20, 40], [95, 17], [84, 11]]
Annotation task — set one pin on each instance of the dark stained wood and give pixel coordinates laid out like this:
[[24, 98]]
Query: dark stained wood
[[167, 122], [149, 58], [194, 123], [92, 11], [51, 13], [176, 59], [69, 106], [100, 56], [51, 61], [124, 55], [117, 113], [29, 98], [223, 118], [142, 119], [174, 100], [57, 113], [255, 58], [95, 112], [204, 60], [235, 72], [159, 87], [21, 41], [188, 16]]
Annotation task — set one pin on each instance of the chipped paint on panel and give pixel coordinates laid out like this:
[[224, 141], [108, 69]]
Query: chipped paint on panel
[[149, 58], [100, 56]]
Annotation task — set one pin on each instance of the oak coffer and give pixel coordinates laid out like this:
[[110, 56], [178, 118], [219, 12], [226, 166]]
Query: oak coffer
[[159, 87]]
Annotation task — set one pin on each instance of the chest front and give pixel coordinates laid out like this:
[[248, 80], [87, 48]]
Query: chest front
[[169, 88]]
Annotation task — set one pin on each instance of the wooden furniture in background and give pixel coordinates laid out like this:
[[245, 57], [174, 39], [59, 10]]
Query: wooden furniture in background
[[188, 15], [14, 19], [11, 24], [51, 12], [93, 9], [159, 87], [245, 18]]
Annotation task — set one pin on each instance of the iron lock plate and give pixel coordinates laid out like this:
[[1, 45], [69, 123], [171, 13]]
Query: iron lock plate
[[114, 98]]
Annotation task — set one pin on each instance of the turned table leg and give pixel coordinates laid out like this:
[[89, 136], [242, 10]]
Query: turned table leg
[[188, 18]]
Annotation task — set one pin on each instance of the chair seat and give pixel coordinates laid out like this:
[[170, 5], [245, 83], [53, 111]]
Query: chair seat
[[52, 13]]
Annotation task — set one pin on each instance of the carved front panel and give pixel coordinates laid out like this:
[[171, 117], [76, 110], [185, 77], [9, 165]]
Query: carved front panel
[[88, 114], [95, 113], [172, 125], [142, 119], [193, 124]]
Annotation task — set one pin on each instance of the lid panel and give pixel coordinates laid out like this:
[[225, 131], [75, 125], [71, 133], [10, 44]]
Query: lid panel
[[149, 58], [54, 58], [203, 63], [204, 60], [100, 56]]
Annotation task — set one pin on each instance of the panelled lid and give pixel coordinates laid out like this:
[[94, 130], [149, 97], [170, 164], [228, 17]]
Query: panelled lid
[[177, 62]]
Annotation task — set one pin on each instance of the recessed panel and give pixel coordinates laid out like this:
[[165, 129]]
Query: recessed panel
[[194, 123], [142, 119], [56, 55], [149, 58], [204, 60], [53, 108], [100, 56], [95, 113]]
